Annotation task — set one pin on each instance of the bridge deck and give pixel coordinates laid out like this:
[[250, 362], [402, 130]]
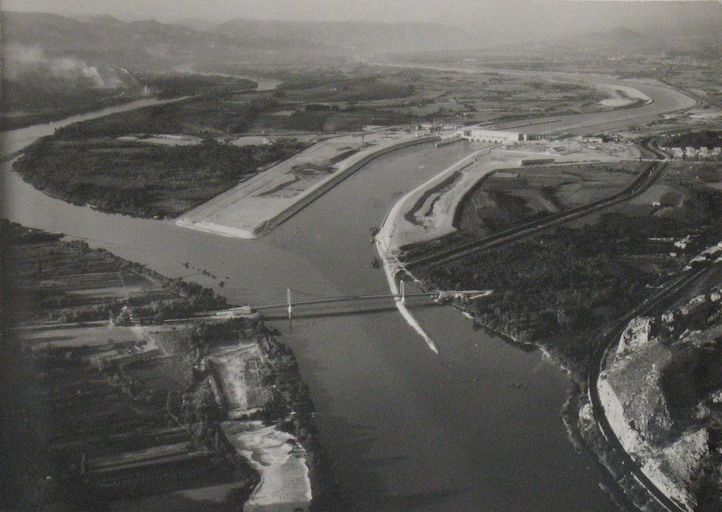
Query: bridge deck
[[350, 298]]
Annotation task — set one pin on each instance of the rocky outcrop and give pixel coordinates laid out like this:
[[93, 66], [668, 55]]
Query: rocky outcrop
[[662, 389], [636, 335]]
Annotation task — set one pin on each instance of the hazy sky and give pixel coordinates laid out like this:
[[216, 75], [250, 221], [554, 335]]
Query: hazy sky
[[445, 11]]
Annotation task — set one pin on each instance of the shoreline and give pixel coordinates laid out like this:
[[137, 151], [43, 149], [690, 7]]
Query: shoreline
[[391, 269], [284, 451], [398, 228], [15, 141], [584, 434]]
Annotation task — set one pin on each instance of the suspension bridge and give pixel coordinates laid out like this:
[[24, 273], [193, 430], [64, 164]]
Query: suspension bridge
[[306, 304]]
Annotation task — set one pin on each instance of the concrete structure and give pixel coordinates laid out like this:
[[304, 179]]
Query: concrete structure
[[494, 136]]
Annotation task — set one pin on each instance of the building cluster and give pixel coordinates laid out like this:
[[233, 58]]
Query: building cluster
[[692, 153], [592, 140]]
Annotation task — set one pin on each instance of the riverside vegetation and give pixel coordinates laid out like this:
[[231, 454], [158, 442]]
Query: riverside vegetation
[[142, 179], [559, 287], [93, 421]]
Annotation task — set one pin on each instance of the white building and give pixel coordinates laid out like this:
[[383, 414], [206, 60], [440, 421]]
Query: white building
[[493, 136], [677, 152]]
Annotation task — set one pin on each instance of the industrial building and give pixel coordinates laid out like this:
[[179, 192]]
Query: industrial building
[[493, 136]]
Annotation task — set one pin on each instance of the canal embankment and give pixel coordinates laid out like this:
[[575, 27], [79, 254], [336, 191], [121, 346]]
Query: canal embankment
[[257, 206]]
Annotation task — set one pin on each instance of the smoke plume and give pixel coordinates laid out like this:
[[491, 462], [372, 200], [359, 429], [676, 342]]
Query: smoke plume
[[20, 60]]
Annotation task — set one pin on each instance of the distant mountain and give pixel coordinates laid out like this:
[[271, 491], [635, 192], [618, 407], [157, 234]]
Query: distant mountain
[[153, 46], [196, 23], [96, 18], [344, 36], [626, 34], [100, 40], [620, 38]]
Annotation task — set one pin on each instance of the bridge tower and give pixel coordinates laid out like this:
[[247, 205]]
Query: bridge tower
[[290, 308]]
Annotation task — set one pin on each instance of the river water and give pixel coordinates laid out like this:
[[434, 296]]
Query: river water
[[405, 429]]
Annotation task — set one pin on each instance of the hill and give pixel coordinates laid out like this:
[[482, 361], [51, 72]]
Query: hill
[[153, 46], [343, 36]]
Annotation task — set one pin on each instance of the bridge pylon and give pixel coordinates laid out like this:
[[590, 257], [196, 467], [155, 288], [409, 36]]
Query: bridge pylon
[[290, 308]]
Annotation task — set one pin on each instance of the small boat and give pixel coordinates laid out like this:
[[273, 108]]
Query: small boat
[[375, 263], [374, 230]]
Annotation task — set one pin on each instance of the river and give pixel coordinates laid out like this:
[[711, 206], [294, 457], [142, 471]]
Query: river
[[406, 429]]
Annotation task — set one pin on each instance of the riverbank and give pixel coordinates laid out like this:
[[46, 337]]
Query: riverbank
[[624, 490], [430, 211], [14, 141], [15, 121], [266, 418]]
